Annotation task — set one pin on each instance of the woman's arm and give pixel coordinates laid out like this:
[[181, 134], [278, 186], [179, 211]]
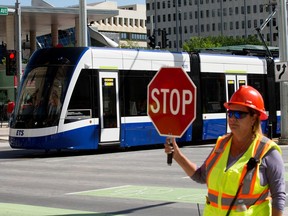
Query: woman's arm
[[275, 176], [179, 157], [276, 212]]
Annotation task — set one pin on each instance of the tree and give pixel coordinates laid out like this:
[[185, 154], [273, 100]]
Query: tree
[[129, 44], [196, 43]]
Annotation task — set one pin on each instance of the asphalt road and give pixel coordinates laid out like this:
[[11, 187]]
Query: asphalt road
[[131, 182]]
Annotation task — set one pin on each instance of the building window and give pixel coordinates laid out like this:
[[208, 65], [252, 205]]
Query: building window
[[190, 15], [236, 10], [249, 24], [207, 13], [242, 10], [224, 11], [225, 26], [261, 8], [248, 9], [123, 36], [202, 28], [148, 6], [254, 9], [191, 28], [275, 36], [243, 24], [148, 20], [230, 11], [255, 23]]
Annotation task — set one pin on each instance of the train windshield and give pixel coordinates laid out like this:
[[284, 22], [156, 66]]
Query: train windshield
[[41, 97], [43, 87]]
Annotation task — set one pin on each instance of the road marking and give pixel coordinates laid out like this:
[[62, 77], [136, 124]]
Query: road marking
[[88, 191], [8, 209], [168, 194]]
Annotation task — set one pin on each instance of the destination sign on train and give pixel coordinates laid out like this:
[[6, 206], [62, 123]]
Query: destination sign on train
[[171, 101]]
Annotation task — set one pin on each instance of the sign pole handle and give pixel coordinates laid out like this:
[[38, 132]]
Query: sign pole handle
[[170, 155]]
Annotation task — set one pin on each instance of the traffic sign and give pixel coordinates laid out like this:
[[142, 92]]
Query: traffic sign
[[3, 11], [281, 71], [171, 101]]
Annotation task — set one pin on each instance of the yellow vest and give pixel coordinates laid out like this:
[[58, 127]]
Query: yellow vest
[[223, 184]]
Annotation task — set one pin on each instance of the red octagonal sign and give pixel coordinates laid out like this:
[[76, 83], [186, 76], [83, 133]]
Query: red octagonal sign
[[171, 101]]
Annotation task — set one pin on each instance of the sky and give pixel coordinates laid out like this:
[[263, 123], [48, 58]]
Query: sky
[[65, 3]]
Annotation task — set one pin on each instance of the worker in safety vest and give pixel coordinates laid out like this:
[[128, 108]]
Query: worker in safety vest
[[244, 172]]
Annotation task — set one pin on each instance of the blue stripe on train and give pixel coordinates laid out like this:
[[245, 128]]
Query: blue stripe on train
[[136, 134], [133, 134], [81, 138]]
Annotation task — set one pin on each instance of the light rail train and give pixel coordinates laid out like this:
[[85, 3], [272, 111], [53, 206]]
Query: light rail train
[[85, 98]]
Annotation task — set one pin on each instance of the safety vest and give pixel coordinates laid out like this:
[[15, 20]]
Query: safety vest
[[223, 184]]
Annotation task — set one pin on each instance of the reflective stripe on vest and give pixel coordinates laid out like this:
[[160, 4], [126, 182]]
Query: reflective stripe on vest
[[261, 145]]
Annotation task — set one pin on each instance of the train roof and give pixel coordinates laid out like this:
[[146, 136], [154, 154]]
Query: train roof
[[252, 50]]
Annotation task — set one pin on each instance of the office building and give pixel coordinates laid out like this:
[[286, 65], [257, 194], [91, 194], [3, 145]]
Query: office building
[[204, 18], [128, 28]]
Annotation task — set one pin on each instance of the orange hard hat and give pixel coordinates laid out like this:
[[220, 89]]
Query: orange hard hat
[[249, 97]]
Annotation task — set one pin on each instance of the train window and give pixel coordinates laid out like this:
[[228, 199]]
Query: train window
[[80, 105], [213, 92], [259, 82], [133, 92], [231, 88]]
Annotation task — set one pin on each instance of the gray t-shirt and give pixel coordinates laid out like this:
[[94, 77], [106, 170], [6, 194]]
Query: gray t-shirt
[[271, 172]]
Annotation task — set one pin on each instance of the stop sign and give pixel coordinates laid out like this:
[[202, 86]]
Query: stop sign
[[171, 101]]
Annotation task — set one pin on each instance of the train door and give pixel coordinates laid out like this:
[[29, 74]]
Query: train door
[[109, 108], [233, 82]]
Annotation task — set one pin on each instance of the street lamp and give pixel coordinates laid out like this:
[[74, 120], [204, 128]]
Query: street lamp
[[18, 43]]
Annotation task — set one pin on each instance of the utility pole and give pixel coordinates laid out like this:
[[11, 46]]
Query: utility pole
[[83, 23], [155, 31], [177, 25], [283, 49], [18, 43]]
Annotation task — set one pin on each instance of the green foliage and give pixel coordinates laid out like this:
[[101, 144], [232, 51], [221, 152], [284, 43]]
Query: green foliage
[[129, 44], [196, 43]]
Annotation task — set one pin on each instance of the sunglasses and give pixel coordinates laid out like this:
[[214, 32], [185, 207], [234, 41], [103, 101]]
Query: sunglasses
[[237, 114]]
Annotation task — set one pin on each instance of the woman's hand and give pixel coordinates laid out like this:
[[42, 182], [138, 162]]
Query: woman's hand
[[188, 166], [171, 146]]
